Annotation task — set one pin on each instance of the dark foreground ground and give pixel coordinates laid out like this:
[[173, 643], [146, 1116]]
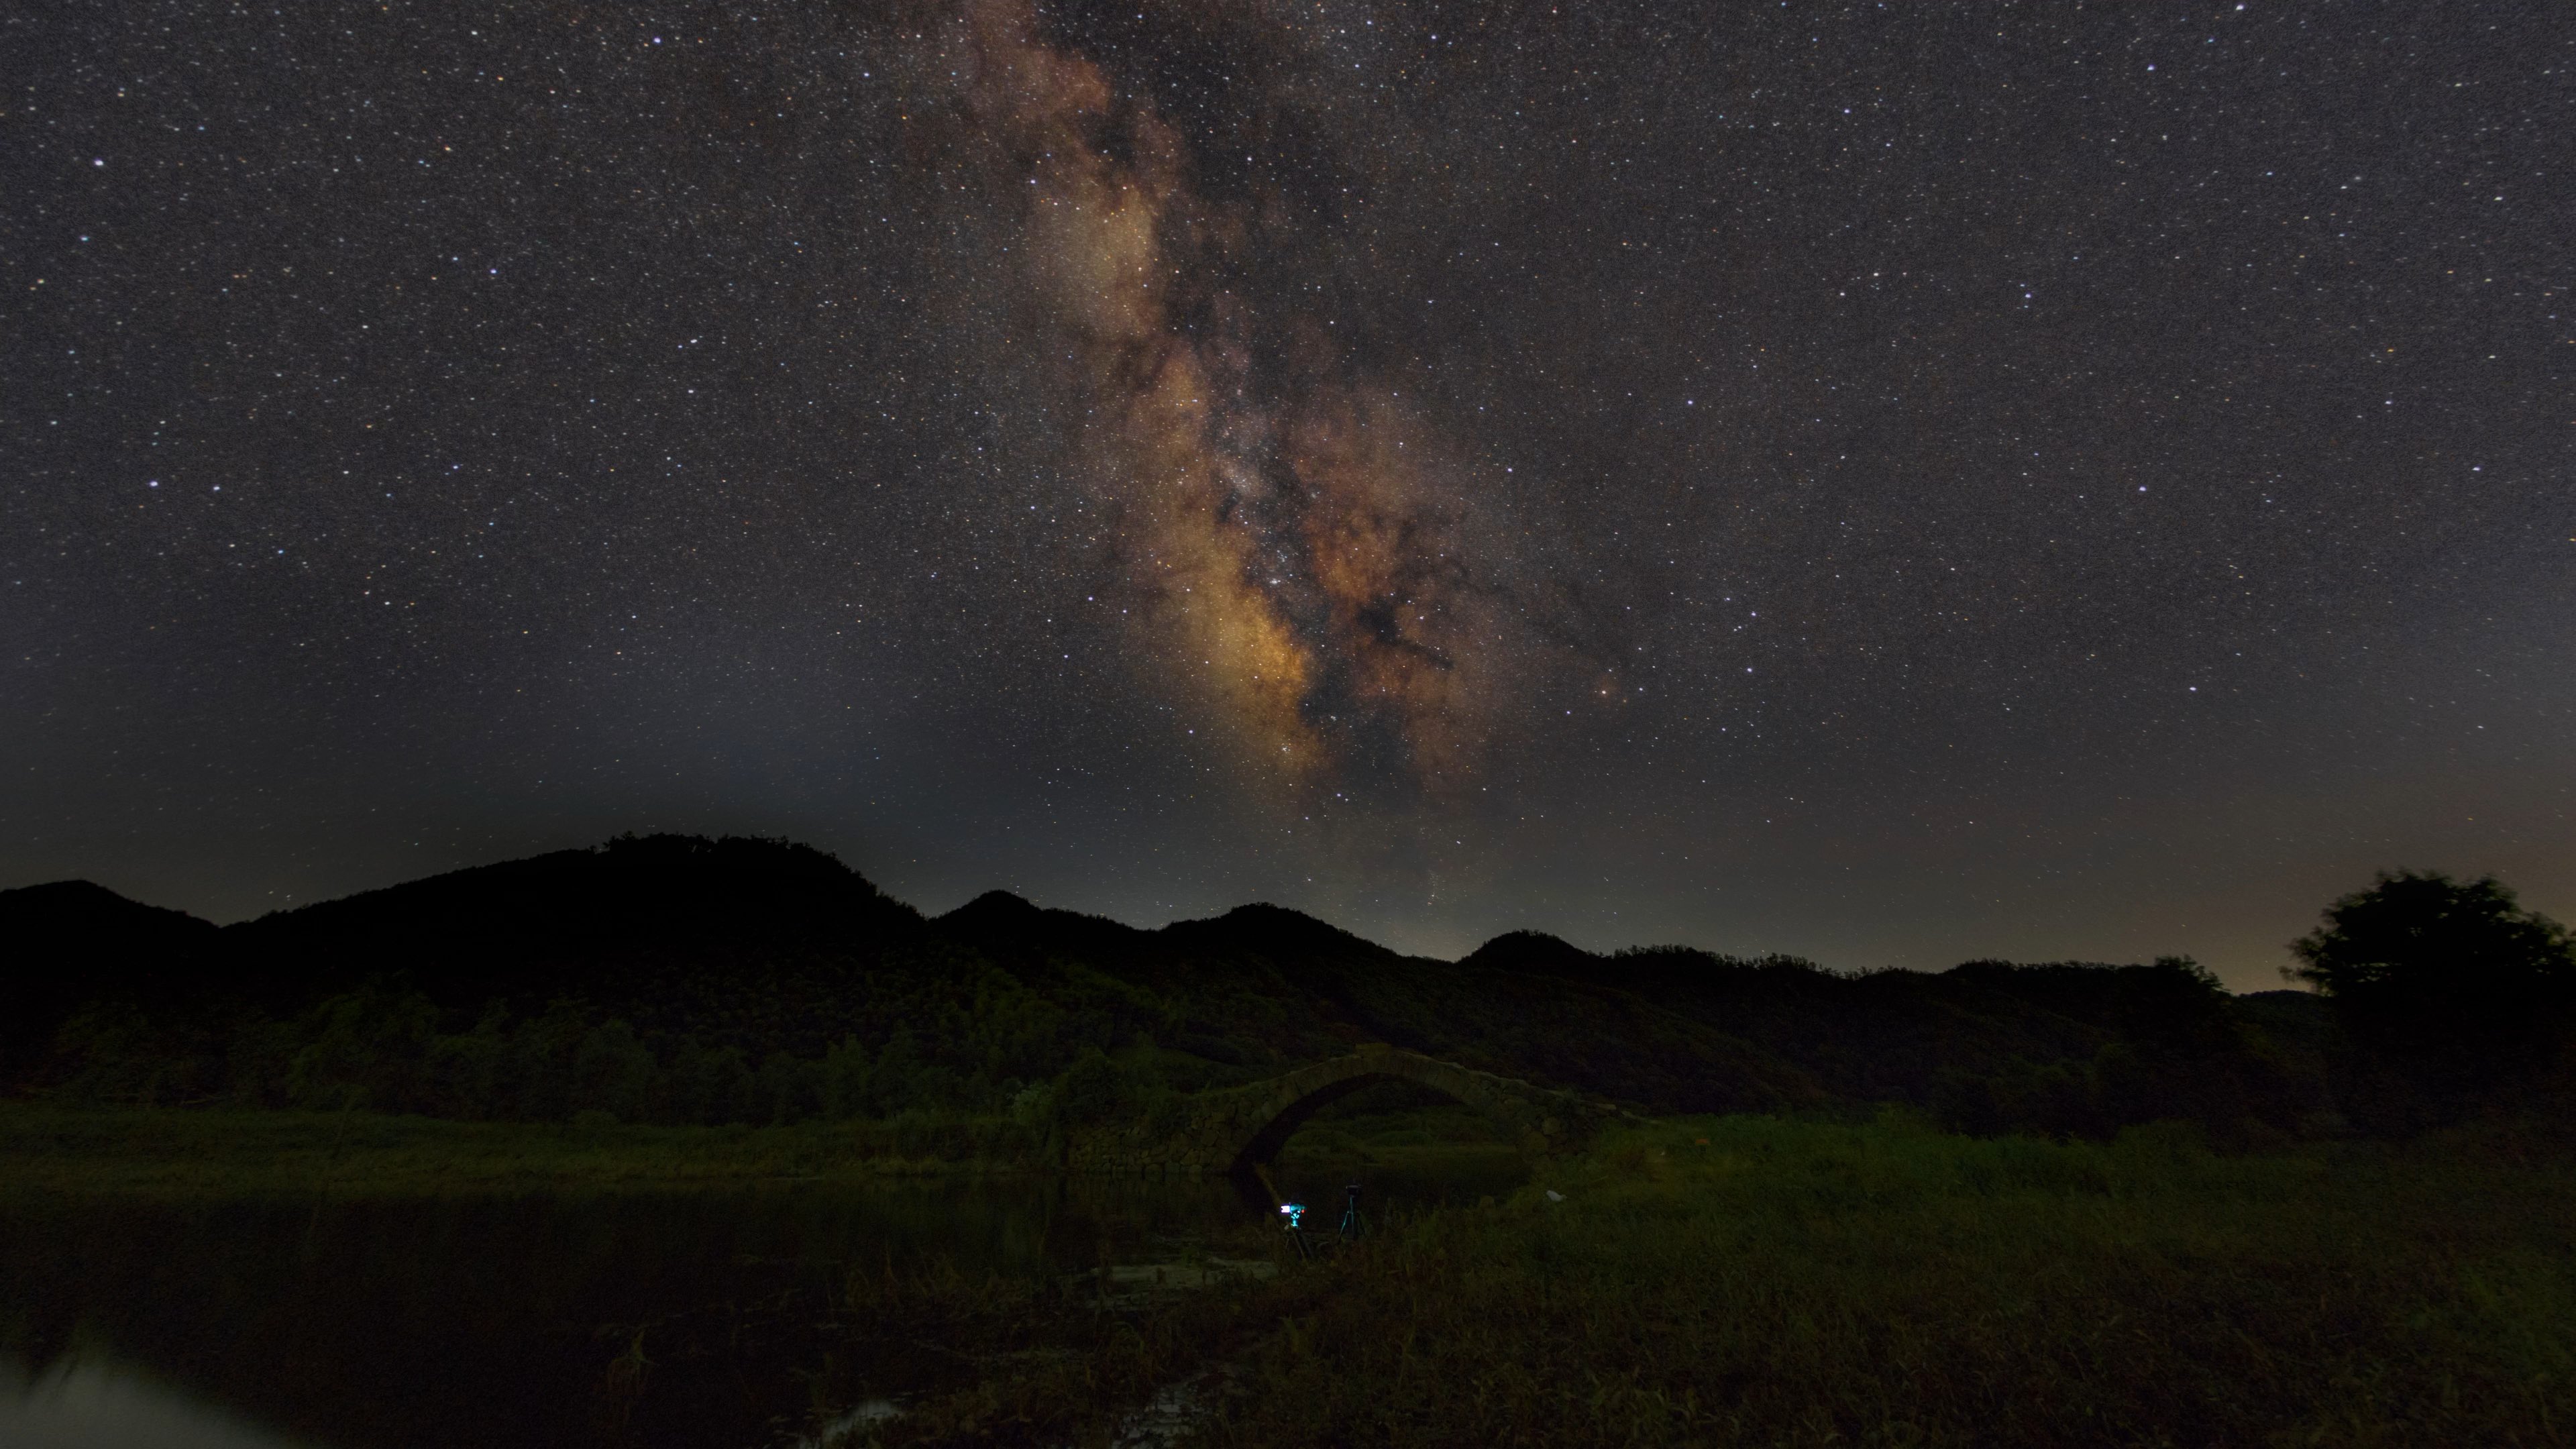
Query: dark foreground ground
[[1754, 1281], [1736, 1280]]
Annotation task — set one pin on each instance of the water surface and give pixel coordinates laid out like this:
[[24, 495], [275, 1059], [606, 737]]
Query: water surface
[[698, 1318]]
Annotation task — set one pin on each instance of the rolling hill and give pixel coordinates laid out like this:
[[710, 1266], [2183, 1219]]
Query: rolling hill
[[679, 978]]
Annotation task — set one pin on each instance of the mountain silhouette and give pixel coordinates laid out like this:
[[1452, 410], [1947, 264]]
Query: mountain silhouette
[[755, 960], [70, 943], [582, 922]]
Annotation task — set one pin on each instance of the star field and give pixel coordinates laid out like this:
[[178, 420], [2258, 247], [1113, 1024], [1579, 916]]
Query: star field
[[1889, 483]]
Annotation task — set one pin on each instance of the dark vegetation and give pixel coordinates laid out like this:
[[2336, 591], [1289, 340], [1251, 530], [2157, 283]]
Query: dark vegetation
[[1763, 1281], [677, 980], [1996, 1204], [1756, 1280], [2451, 997], [1745, 1280]]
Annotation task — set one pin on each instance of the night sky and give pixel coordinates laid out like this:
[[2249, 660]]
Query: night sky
[[1890, 483]]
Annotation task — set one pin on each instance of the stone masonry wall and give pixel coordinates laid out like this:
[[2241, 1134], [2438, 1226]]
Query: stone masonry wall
[[1245, 1126]]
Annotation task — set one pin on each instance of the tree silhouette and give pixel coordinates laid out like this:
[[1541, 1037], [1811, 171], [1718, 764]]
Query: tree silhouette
[[2450, 980]]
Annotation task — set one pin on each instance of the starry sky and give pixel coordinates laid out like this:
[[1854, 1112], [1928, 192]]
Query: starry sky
[[1891, 483]]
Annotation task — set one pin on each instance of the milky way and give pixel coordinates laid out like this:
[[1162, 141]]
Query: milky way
[[1895, 483], [1305, 546]]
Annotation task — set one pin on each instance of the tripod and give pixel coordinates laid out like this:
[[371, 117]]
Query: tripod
[[1354, 1222], [1354, 1225]]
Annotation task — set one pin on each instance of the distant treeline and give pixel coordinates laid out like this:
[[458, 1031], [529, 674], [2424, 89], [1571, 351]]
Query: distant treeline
[[681, 980]]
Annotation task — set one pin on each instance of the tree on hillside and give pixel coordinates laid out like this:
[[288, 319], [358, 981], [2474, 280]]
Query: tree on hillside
[[2451, 980]]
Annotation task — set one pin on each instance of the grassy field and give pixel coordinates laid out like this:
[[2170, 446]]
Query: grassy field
[[1739, 1280], [194, 1151], [1751, 1280], [1759, 1281], [197, 1152]]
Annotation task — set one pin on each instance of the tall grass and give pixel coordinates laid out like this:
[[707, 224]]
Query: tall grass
[[1723, 1281], [193, 1152], [1759, 1281]]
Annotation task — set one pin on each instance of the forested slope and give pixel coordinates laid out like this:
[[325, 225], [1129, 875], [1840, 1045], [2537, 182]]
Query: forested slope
[[682, 979]]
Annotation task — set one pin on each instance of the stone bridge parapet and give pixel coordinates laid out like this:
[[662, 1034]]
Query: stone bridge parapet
[[1239, 1128]]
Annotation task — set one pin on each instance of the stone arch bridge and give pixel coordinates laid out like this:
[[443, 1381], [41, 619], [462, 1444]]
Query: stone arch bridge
[[1242, 1128]]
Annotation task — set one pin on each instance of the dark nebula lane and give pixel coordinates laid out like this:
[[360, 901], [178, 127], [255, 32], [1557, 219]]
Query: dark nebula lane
[[1894, 484]]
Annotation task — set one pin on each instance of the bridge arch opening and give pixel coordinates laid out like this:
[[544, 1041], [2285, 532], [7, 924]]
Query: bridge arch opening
[[1367, 1092], [1527, 1117], [1234, 1129]]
